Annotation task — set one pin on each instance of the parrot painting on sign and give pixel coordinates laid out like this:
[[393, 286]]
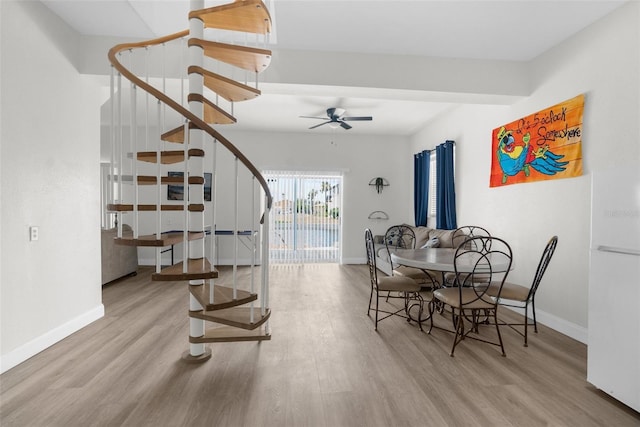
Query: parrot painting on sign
[[520, 157], [545, 145]]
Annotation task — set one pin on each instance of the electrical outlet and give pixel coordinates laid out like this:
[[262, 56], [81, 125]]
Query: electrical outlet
[[33, 233]]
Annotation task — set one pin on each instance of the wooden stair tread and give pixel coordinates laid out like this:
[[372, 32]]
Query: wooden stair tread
[[222, 297], [227, 88], [169, 157], [124, 207], [212, 113], [166, 239], [245, 57], [196, 269], [231, 334], [239, 317], [175, 135], [248, 16]]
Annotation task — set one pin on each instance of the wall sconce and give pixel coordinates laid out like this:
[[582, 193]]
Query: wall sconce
[[379, 183]]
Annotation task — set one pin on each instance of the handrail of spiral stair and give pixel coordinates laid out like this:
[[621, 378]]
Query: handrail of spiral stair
[[201, 124]]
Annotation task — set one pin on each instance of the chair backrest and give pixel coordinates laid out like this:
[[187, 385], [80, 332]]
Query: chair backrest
[[485, 260], [462, 234], [399, 237], [543, 264], [371, 256]]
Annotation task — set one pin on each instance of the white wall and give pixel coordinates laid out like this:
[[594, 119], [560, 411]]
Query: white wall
[[602, 62], [50, 179]]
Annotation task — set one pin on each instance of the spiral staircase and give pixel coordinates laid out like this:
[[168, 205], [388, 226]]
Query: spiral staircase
[[181, 136]]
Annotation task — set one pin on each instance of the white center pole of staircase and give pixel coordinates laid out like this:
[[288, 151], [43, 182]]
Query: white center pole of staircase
[[196, 169], [186, 198]]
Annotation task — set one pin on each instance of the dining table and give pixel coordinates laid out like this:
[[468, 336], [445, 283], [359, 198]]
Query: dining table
[[443, 259]]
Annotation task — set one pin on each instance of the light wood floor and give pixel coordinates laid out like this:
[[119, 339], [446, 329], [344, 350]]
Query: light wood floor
[[325, 366]]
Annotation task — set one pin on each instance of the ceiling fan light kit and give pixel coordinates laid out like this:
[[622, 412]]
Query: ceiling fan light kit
[[336, 118]]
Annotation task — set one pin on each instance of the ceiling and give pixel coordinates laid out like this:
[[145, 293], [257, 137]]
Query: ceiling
[[515, 30]]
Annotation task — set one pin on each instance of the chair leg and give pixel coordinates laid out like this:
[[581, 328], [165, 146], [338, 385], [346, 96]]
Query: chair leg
[[533, 310], [526, 324], [377, 300], [495, 320], [459, 330], [408, 306], [454, 319], [420, 310], [432, 309], [475, 317], [370, 298]]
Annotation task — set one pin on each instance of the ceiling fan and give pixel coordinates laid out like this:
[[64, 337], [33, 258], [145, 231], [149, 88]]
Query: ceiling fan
[[336, 118]]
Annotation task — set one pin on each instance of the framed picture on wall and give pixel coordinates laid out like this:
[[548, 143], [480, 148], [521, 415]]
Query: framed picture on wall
[[176, 192]]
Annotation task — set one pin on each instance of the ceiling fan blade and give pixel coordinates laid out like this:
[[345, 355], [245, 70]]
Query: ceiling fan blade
[[357, 119], [345, 125], [312, 117], [313, 127]]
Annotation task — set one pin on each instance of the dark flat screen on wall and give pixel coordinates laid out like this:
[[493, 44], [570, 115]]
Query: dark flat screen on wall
[[176, 192]]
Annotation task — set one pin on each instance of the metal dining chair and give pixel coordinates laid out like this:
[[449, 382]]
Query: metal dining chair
[[462, 235], [400, 288], [514, 295], [403, 237], [465, 232], [487, 257]]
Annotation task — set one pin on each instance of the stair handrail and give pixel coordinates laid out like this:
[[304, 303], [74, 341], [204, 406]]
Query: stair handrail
[[158, 94]]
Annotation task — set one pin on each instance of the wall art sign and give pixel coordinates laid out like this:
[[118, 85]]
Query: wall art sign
[[541, 146]]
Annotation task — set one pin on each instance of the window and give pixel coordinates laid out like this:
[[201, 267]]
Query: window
[[433, 179], [432, 184]]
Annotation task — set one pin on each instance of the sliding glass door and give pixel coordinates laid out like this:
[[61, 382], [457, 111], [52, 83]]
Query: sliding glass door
[[305, 220]]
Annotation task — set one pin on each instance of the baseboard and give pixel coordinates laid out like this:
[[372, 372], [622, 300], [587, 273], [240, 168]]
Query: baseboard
[[241, 261], [556, 323], [46, 340]]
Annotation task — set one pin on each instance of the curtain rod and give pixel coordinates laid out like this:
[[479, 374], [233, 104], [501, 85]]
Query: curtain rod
[[433, 150]]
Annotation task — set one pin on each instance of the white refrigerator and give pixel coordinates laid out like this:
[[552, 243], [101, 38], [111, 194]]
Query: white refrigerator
[[613, 355]]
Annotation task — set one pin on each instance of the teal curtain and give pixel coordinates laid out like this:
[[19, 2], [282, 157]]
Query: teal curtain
[[445, 187], [421, 162]]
